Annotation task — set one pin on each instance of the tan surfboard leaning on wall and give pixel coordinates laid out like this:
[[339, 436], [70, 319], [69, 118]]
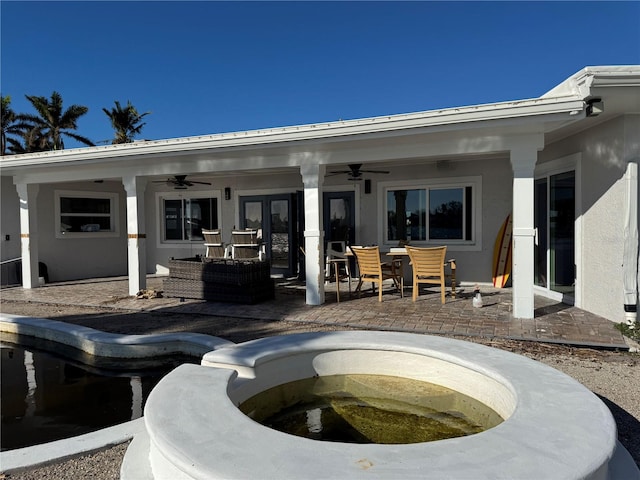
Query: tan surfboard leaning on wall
[[502, 253]]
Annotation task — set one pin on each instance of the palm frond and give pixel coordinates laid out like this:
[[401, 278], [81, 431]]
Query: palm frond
[[79, 138], [125, 121], [53, 121]]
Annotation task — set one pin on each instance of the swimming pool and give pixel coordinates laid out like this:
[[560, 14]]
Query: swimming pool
[[50, 391]]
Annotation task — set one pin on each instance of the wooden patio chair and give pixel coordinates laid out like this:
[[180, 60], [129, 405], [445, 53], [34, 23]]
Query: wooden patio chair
[[371, 269], [247, 245], [213, 242], [428, 267]]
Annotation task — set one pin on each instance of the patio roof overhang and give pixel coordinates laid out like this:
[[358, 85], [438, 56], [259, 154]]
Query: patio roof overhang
[[470, 130]]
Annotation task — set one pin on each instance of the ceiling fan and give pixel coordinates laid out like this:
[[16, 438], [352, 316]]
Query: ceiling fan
[[355, 172], [180, 182]]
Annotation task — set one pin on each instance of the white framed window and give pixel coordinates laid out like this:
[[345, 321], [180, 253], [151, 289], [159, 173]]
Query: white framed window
[[86, 214], [434, 212], [185, 215]]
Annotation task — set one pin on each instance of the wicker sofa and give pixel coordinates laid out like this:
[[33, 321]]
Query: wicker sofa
[[220, 280]]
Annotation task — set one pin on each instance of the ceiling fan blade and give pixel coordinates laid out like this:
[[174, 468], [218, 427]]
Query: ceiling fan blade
[[374, 171], [180, 182]]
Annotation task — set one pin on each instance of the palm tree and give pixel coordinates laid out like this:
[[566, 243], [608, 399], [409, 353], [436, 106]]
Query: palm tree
[[125, 122], [34, 141], [11, 125], [53, 122]]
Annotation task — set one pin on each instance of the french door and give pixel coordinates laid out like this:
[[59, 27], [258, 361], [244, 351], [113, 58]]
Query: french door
[[338, 220], [275, 216], [339, 217], [555, 218]]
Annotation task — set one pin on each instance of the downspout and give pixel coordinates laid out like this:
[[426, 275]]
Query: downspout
[[630, 254]]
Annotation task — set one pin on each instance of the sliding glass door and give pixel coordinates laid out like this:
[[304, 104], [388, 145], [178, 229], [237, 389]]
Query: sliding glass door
[[555, 218]]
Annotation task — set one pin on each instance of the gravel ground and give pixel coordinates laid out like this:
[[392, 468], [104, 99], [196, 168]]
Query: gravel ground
[[613, 376]]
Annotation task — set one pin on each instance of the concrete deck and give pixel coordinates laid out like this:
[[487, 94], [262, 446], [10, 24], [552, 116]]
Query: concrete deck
[[553, 323]]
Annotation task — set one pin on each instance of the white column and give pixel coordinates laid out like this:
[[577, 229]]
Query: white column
[[137, 257], [312, 178], [523, 162], [28, 234]]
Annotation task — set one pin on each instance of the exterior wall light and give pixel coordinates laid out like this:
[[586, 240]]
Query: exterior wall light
[[227, 193], [595, 106]]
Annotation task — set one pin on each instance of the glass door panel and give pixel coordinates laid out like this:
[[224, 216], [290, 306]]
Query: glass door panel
[[279, 239], [540, 250], [561, 233], [339, 217], [252, 215]]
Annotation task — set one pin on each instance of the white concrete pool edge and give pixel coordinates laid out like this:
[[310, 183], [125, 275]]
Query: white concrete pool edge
[[103, 344], [39, 455], [556, 427]]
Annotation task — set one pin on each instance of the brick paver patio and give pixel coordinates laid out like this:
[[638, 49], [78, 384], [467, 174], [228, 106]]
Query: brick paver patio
[[554, 322]]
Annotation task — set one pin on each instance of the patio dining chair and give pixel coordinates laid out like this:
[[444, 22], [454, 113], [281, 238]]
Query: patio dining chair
[[336, 254], [247, 245], [213, 242], [371, 269], [428, 267]]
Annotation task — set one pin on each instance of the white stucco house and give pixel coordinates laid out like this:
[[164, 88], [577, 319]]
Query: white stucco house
[[564, 164]]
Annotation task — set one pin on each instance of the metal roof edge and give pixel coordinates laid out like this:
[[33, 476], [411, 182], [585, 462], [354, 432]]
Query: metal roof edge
[[372, 125]]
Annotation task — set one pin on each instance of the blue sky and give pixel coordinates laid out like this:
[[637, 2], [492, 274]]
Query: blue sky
[[209, 67]]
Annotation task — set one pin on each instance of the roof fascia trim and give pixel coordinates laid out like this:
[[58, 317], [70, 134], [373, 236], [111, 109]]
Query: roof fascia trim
[[580, 83], [375, 125]]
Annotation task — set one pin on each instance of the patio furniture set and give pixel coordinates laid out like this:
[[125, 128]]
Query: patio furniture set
[[237, 273], [428, 265], [240, 272]]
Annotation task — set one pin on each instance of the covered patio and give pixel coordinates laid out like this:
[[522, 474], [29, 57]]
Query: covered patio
[[553, 322], [560, 166]]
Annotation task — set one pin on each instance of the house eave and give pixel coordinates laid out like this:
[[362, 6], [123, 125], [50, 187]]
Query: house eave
[[581, 83], [538, 111]]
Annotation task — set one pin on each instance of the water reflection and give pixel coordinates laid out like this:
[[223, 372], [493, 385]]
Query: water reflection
[[46, 396]]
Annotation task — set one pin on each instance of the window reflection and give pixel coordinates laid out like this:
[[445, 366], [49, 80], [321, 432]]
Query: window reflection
[[185, 218], [449, 218], [446, 213]]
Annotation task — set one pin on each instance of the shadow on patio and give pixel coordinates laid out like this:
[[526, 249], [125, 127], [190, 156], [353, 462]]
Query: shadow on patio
[[553, 322]]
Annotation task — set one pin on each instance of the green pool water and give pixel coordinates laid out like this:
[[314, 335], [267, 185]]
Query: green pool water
[[369, 409]]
